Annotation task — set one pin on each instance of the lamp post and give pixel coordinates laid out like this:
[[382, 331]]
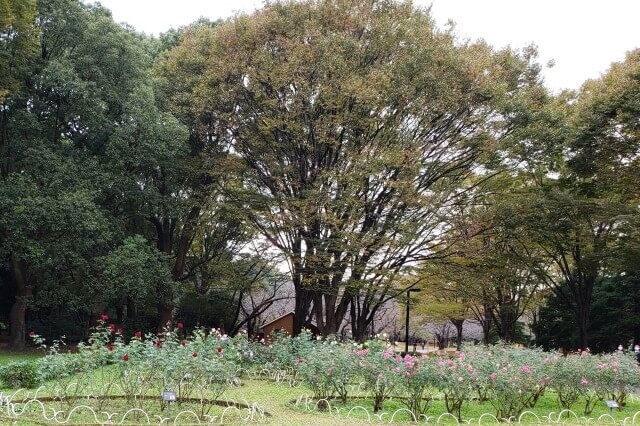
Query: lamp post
[[406, 335]]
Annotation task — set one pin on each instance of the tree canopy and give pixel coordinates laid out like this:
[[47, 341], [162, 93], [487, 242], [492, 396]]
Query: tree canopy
[[354, 125], [348, 149]]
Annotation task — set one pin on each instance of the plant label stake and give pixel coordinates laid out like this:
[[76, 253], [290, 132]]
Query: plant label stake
[[611, 405], [169, 397]]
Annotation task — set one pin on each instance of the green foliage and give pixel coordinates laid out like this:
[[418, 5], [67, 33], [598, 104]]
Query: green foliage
[[417, 385], [288, 351], [18, 44], [204, 365], [515, 379], [355, 136], [352, 136], [380, 371], [328, 369], [22, 374], [614, 317], [134, 271]]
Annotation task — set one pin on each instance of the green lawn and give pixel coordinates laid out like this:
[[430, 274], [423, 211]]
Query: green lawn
[[279, 403], [7, 356]]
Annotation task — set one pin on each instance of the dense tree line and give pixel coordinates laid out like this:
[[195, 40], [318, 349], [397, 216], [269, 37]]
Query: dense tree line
[[352, 140]]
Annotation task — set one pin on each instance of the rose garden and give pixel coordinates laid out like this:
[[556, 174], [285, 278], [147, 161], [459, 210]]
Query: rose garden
[[204, 377]]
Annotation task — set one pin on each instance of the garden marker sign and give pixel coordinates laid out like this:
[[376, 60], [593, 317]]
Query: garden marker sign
[[169, 396]]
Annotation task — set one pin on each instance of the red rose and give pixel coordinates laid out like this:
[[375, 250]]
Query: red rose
[[119, 331], [104, 317], [180, 325], [125, 357], [183, 343], [32, 333], [112, 327], [110, 346], [158, 344], [219, 350], [195, 354], [138, 334]]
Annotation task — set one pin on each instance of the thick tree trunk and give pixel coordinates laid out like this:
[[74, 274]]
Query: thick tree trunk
[[132, 309], [457, 323], [442, 341], [583, 320], [165, 315], [18, 312], [120, 314], [361, 318], [17, 317], [582, 292], [505, 320], [303, 303], [303, 296], [486, 324], [165, 230], [318, 312]]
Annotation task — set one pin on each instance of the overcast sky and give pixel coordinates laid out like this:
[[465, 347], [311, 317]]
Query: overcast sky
[[582, 36]]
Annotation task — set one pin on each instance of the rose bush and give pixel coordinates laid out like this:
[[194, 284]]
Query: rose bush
[[205, 363], [514, 378], [417, 383], [380, 370]]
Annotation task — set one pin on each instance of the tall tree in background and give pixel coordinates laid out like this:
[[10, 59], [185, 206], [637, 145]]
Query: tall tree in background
[[615, 318], [51, 223], [493, 269], [356, 123], [18, 44], [587, 220], [56, 129]]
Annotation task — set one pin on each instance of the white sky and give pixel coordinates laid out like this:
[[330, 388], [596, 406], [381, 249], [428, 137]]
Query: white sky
[[582, 36]]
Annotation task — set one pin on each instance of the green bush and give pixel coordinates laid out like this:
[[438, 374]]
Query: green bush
[[23, 374]]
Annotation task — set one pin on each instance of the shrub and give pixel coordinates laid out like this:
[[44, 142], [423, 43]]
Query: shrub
[[416, 383], [380, 371], [457, 380], [516, 380], [22, 374], [328, 369]]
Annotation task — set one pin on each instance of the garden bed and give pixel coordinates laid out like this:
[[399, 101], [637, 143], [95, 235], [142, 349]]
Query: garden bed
[[305, 381]]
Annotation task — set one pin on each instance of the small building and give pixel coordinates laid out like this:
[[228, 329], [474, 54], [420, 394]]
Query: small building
[[282, 324]]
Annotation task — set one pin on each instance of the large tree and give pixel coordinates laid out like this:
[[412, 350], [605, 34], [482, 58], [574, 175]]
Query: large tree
[[55, 124], [586, 220], [18, 44], [355, 123], [494, 270]]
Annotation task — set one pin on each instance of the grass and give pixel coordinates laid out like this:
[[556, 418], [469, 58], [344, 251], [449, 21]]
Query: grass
[[472, 411], [7, 356], [279, 401]]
